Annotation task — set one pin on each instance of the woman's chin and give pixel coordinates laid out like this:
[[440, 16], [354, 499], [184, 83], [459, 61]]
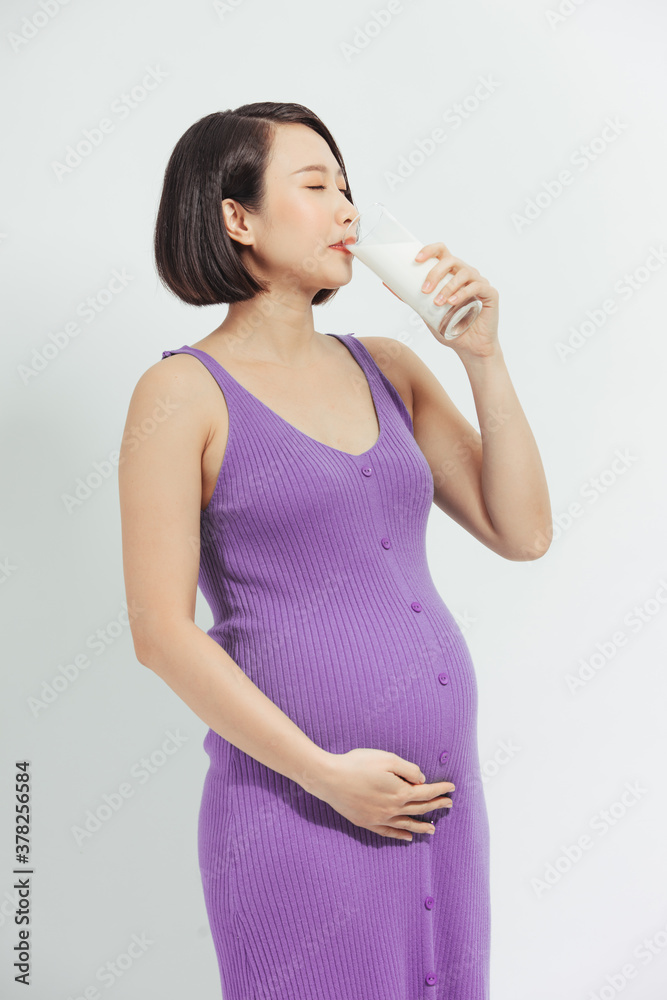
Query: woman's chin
[[336, 280]]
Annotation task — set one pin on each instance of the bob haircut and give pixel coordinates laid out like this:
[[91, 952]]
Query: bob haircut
[[223, 155]]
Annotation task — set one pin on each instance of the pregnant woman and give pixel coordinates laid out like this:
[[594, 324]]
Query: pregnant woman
[[343, 832]]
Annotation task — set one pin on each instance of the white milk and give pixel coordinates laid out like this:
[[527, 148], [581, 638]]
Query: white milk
[[395, 263]]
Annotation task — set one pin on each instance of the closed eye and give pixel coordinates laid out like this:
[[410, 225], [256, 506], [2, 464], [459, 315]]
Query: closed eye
[[321, 187]]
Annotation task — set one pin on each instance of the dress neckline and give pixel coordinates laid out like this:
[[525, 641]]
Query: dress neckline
[[296, 430]]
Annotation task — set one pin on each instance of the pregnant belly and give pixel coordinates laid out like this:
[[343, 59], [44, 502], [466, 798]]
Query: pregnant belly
[[396, 687]]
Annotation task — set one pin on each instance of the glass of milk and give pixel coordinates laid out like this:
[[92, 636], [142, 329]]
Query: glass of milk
[[384, 245]]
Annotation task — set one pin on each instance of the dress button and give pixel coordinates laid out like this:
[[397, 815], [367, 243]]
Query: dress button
[[428, 902], [444, 756], [431, 979], [443, 678], [367, 471], [385, 543], [416, 606]]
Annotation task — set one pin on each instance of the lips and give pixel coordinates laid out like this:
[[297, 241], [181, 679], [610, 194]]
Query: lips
[[341, 247]]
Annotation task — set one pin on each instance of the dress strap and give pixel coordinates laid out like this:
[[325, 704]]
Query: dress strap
[[226, 382], [377, 377], [383, 391]]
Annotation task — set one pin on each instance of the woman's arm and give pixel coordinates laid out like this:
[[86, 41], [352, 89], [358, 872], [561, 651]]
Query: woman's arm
[[160, 496], [492, 483]]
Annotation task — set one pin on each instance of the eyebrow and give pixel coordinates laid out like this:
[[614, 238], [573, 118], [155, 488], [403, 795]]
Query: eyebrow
[[316, 166]]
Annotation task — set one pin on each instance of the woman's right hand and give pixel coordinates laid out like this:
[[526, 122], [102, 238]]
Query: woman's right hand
[[380, 791]]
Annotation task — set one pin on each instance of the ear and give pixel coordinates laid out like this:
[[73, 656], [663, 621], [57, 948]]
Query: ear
[[237, 221]]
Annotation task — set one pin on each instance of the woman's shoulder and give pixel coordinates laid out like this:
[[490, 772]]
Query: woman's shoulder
[[177, 383], [182, 375]]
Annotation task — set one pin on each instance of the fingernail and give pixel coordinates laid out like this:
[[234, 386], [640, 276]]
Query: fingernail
[[426, 286], [423, 777]]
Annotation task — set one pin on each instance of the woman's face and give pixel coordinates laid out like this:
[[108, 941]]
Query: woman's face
[[305, 212]]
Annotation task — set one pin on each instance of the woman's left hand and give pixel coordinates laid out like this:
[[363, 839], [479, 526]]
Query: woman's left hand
[[481, 337]]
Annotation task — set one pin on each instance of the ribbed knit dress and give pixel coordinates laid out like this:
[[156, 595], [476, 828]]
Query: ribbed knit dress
[[313, 562]]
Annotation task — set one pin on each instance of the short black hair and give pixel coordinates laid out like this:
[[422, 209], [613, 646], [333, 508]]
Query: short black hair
[[223, 155]]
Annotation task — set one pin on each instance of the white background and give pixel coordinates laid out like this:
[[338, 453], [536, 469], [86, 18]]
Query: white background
[[574, 753]]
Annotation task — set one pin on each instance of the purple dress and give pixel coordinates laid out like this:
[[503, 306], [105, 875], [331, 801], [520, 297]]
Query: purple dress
[[313, 562]]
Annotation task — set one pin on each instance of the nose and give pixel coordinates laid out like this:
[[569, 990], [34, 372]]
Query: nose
[[350, 211]]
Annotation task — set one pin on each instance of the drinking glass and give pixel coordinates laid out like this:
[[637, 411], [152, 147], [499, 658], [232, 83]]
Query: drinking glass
[[389, 250]]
